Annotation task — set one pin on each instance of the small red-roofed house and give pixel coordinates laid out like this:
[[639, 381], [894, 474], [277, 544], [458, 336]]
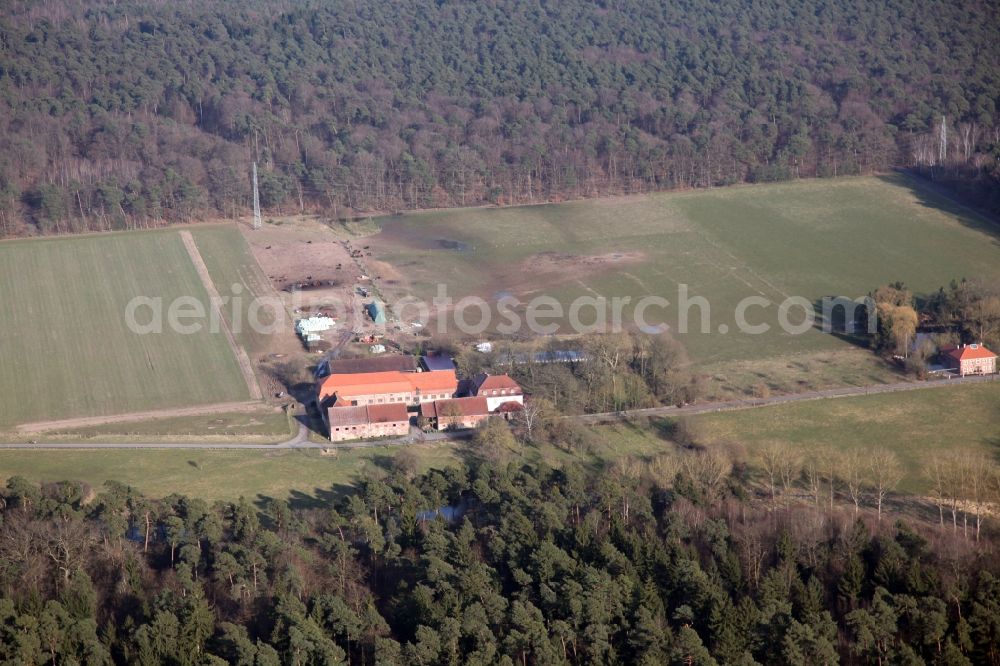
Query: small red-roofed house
[[497, 389], [974, 359]]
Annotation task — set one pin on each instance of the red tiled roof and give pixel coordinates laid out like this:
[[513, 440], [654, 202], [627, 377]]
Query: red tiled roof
[[393, 412], [365, 414], [970, 352], [370, 383], [455, 407], [485, 382], [435, 380], [347, 416]]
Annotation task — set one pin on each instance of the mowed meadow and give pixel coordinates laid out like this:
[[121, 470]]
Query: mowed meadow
[[808, 239], [65, 348]]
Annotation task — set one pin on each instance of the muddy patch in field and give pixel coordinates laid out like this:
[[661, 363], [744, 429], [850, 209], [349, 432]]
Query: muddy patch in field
[[294, 263], [579, 264], [416, 237], [458, 246], [386, 272], [549, 269]]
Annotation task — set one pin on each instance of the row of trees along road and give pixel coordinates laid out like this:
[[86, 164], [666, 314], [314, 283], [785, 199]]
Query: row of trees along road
[[132, 114]]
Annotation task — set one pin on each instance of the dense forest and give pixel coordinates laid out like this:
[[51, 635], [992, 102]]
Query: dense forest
[[125, 114], [671, 561]]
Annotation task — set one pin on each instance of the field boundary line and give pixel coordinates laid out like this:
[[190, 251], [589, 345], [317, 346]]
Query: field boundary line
[[87, 421], [242, 359], [756, 403]]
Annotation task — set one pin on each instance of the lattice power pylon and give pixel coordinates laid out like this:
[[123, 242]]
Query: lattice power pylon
[[256, 200]]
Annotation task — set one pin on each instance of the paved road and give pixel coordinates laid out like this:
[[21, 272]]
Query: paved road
[[301, 439]]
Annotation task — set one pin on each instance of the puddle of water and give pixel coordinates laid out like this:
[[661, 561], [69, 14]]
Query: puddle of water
[[446, 244]]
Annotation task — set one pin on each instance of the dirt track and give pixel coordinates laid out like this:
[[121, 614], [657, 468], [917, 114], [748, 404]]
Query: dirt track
[[87, 421], [206, 279]]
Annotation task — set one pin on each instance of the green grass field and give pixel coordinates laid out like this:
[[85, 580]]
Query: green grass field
[[807, 238], [66, 349], [948, 421], [305, 476], [238, 277], [797, 373]]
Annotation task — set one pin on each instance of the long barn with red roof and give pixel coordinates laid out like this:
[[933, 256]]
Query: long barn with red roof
[[372, 388]]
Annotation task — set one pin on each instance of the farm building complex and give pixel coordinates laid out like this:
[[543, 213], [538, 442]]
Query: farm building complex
[[360, 398]]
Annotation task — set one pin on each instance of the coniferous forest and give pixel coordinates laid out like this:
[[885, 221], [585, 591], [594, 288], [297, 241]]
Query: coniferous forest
[[669, 565], [133, 114]]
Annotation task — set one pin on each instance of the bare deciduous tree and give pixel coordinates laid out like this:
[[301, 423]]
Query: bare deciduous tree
[[934, 471], [752, 552], [533, 415], [978, 472], [781, 465], [812, 474], [663, 469], [770, 457], [886, 473], [789, 468], [953, 472], [627, 473], [707, 469], [852, 471], [828, 464]]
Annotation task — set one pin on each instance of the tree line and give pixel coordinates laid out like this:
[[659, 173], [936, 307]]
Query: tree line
[[133, 114]]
